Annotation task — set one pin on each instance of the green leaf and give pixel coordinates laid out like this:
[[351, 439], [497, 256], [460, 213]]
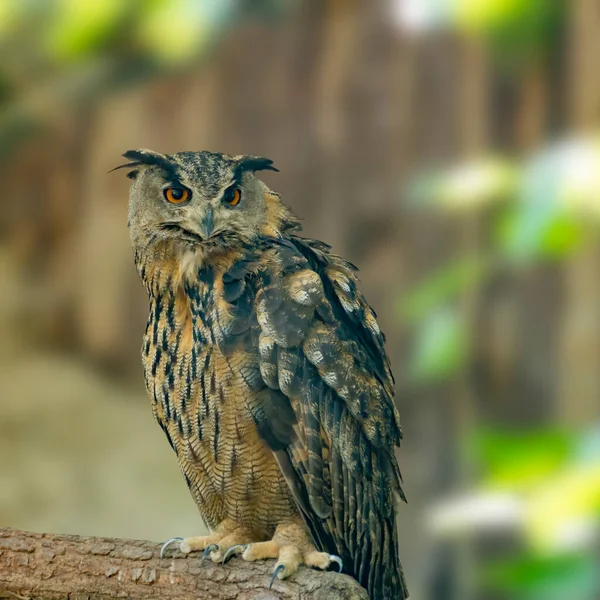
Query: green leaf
[[540, 226], [534, 31], [80, 28], [478, 15], [466, 187], [520, 459], [194, 24], [441, 347], [562, 236], [440, 287], [573, 576], [517, 29], [528, 233], [11, 11]]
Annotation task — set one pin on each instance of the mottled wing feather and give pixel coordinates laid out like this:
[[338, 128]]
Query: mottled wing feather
[[331, 393]]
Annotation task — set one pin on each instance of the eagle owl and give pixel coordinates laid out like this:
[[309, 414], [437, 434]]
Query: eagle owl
[[267, 372]]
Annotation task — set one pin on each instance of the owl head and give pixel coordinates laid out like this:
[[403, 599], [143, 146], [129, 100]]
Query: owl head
[[205, 202]]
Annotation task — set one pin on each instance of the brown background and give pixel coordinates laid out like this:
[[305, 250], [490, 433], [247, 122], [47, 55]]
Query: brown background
[[350, 106]]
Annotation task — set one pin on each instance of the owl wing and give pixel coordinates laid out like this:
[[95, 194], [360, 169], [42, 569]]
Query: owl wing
[[328, 409]]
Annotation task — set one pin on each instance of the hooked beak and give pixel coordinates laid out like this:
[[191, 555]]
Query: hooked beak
[[207, 225], [196, 232]]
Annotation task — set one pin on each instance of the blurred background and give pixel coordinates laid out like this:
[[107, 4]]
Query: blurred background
[[450, 148]]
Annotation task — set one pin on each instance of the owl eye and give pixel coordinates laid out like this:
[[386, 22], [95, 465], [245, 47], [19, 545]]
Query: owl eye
[[176, 195], [232, 196]]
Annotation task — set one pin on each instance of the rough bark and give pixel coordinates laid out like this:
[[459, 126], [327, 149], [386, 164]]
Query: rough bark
[[55, 567]]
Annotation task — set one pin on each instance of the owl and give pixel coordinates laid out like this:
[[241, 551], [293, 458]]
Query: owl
[[267, 372]]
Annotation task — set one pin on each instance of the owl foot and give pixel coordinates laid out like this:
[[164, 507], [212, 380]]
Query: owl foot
[[167, 544], [227, 534], [187, 545], [291, 547]]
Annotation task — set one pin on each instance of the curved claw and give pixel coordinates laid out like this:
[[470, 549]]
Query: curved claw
[[275, 573], [237, 549], [336, 559], [167, 544], [207, 551]]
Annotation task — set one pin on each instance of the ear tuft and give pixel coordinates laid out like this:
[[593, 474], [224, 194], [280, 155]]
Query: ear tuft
[[256, 163], [146, 157], [143, 157]]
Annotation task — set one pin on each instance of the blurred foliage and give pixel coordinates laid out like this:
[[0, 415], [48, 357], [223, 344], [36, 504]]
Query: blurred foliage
[[78, 29], [466, 187], [517, 31], [441, 348], [542, 209], [573, 576], [80, 51], [71, 31], [440, 287], [530, 231], [560, 191], [557, 475], [520, 460]]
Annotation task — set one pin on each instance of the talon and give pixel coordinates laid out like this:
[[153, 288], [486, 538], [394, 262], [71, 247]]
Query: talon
[[237, 549], [277, 570], [167, 544], [208, 550], [338, 561]]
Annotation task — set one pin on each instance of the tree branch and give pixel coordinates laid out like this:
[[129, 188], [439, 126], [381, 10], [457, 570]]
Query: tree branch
[[68, 567]]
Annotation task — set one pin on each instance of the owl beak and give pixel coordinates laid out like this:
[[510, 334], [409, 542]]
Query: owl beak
[[208, 224]]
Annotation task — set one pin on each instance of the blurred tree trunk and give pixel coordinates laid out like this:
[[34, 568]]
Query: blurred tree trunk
[[474, 123], [428, 240], [579, 389]]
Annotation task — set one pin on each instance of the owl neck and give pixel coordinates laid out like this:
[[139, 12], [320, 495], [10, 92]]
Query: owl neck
[[168, 268]]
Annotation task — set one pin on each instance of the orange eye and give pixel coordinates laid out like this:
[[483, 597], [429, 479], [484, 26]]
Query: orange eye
[[233, 196], [176, 195]]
